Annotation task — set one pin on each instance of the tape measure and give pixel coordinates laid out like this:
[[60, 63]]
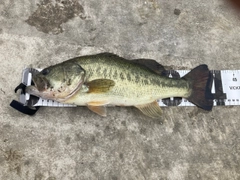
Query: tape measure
[[225, 88]]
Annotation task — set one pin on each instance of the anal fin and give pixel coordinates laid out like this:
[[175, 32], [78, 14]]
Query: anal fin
[[152, 109]]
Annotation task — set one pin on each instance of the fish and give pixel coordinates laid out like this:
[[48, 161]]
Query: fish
[[106, 79]]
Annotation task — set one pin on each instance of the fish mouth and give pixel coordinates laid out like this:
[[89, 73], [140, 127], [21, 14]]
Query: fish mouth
[[40, 83], [38, 87]]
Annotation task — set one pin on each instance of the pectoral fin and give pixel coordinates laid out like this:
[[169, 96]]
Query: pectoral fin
[[100, 85], [152, 110]]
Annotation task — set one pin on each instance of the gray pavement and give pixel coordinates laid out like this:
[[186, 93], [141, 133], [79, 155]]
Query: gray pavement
[[74, 143]]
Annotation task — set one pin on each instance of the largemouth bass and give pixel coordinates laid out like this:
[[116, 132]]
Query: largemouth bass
[[105, 79]]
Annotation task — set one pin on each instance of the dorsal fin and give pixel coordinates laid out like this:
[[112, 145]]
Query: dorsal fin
[[151, 64]]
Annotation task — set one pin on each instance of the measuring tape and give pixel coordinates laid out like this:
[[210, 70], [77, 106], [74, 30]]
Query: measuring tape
[[225, 88]]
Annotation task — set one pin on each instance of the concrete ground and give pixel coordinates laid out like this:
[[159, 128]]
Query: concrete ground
[[74, 143]]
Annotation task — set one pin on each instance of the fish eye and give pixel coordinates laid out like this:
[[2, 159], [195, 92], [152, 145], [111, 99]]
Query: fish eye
[[45, 72]]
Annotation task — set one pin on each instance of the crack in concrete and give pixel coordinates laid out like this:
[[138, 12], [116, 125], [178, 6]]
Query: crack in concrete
[[2, 91]]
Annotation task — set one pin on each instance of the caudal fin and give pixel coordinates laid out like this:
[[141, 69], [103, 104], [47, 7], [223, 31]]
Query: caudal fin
[[200, 79]]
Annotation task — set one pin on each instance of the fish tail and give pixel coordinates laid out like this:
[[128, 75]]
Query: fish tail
[[200, 80]]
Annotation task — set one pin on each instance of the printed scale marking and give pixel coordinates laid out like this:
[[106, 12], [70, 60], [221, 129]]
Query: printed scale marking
[[225, 88]]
